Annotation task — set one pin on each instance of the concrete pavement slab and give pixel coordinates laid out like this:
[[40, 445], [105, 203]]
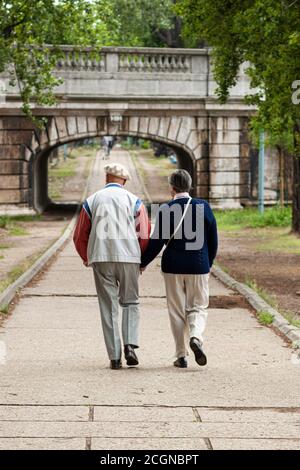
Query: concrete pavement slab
[[79, 280], [132, 413], [44, 413], [55, 359], [74, 283], [148, 443], [255, 444], [13, 443], [250, 415], [247, 362], [55, 313], [149, 430], [100, 429]]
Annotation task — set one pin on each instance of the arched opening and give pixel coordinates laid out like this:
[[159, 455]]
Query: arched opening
[[42, 199]]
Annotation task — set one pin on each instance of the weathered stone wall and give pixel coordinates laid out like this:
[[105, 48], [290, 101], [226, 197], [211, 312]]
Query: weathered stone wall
[[215, 149], [228, 161], [15, 135]]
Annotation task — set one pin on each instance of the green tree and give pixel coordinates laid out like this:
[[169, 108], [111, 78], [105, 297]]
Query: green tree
[[149, 23], [265, 34], [25, 26], [141, 21]]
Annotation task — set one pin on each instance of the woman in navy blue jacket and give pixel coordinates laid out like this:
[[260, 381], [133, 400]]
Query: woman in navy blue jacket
[[188, 230]]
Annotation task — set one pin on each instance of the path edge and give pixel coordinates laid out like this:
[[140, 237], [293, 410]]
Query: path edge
[[291, 332], [8, 295]]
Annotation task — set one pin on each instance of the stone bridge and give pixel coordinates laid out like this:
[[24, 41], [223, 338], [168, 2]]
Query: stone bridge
[[165, 95]]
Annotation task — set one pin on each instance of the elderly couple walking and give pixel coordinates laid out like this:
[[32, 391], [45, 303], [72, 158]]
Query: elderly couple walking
[[113, 236]]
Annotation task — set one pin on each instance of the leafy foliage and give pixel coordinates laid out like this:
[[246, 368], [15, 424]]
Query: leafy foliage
[[265, 34], [25, 26], [139, 21]]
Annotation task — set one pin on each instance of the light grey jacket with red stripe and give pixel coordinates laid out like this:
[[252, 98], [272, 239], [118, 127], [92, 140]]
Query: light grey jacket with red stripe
[[113, 226]]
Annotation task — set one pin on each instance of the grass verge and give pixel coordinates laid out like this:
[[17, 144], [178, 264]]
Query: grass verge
[[15, 225], [268, 298], [290, 317], [237, 219], [271, 300], [66, 169], [63, 170], [4, 310], [265, 318], [162, 165], [17, 271], [280, 241], [4, 246]]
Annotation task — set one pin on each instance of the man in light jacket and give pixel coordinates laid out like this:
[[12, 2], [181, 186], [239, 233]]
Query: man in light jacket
[[112, 232]]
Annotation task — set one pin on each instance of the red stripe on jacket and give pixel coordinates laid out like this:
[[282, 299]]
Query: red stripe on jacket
[[81, 234], [84, 225], [143, 227]]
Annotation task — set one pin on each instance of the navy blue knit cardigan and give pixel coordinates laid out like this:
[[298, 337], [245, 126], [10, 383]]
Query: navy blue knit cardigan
[[177, 258]]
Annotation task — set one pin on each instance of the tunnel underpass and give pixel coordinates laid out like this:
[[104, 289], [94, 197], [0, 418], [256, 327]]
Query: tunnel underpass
[[59, 175]]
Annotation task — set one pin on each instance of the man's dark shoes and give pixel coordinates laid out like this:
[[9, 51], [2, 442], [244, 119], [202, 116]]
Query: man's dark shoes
[[130, 356], [200, 357], [181, 362], [115, 364]]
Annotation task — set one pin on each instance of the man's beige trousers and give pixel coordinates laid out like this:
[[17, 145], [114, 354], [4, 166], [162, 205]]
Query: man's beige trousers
[[187, 299], [117, 283]]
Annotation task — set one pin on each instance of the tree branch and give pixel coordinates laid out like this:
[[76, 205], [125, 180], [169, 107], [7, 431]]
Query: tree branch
[[161, 34], [9, 29]]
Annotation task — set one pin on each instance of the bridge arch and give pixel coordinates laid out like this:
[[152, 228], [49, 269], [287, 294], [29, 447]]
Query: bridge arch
[[167, 95], [73, 128]]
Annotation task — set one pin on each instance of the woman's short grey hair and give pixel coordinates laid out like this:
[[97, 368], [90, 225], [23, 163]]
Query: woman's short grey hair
[[181, 181]]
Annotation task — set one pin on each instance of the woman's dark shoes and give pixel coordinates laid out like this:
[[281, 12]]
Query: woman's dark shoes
[[130, 356], [115, 364], [200, 357], [181, 362]]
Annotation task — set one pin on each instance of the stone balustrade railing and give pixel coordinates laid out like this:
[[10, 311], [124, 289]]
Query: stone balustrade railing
[[121, 59], [83, 59], [146, 62], [130, 72]]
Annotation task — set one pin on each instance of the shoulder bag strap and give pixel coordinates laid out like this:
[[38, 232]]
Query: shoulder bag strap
[[180, 222]]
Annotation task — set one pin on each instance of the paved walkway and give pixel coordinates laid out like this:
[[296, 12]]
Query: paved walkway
[[56, 390]]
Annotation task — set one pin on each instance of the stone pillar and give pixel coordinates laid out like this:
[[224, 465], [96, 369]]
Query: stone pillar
[[198, 143], [202, 172], [15, 132], [40, 182], [112, 62], [228, 162]]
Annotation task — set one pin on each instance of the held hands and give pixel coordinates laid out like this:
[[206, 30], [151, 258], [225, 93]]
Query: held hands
[[142, 270]]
